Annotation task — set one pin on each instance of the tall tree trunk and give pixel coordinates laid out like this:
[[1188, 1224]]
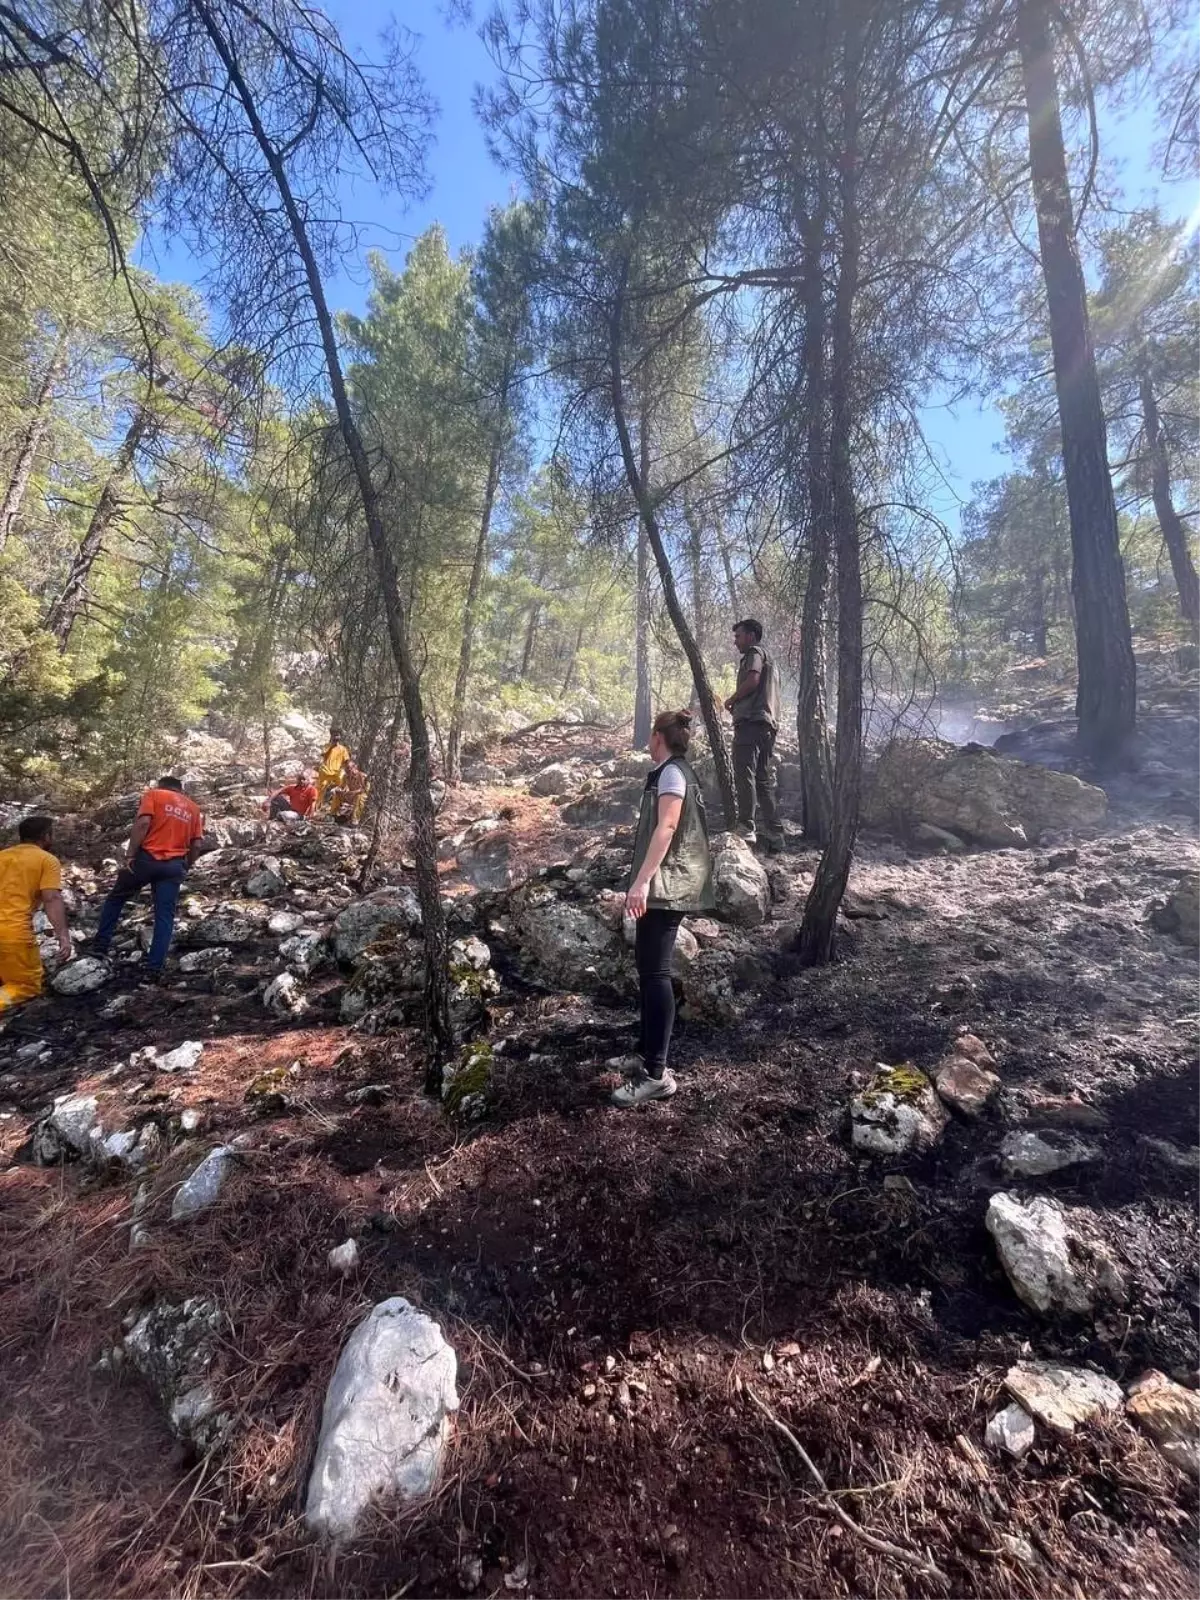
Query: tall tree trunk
[[530, 636], [812, 723], [645, 504], [31, 439], [569, 679], [642, 709], [68, 603], [816, 936], [471, 614], [1039, 630], [696, 554], [1106, 703], [1173, 531], [382, 784], [438, 1023]]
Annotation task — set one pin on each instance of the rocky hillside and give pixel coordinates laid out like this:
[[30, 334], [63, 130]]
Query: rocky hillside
[[897, 1295]]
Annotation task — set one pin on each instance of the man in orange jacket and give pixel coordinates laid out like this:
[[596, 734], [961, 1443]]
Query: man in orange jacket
[[29, 876], [163, 847]]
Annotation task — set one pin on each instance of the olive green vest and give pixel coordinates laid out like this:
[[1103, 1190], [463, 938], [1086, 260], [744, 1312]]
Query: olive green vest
[[684, 880]]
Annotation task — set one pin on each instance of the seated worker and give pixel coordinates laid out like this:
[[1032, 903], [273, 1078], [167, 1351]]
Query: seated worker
[[167, 836], [333, 764], [299, 796], [350, 798], [29, 877]]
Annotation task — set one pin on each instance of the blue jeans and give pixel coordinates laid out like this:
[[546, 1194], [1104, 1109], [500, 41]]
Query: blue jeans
[[164, 878]]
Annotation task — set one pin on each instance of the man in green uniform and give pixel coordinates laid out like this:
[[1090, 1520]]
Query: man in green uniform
[[754, 706]]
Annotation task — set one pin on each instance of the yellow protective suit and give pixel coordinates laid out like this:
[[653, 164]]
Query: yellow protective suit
[[329, 773], [26, 870]]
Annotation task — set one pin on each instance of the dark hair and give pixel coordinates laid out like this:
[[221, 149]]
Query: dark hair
[[751, 625], [676, 729], [31, 829], [336, 733], [169, 783]]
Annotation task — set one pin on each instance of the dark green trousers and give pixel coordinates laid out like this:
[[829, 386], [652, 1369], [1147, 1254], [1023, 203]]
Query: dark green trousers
[[754, 776]]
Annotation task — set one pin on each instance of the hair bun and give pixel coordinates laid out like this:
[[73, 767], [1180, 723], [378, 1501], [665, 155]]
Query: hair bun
[[684, 718]]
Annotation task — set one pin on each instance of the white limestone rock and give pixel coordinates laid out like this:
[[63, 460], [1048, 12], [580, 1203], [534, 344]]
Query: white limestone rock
[[202, 1187], [1055, 1261], [1062, 1397], [386, 1417], [66, 1134], [740, 882], [285, 997], [184, 1058], [897, 1114], [1010, 1430], [80, 977]]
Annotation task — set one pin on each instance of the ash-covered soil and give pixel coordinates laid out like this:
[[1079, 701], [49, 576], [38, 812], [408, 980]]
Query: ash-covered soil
[[619, 1286]]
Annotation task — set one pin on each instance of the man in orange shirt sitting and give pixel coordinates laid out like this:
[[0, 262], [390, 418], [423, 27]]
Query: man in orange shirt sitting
[[29, 876], [299, 796], [163, 846]]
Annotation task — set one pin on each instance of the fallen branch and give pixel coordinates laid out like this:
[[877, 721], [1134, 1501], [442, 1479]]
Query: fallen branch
[[906, 1557], [558, 722]]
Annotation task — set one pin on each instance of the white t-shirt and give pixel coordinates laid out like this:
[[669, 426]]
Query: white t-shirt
[[671, 780]]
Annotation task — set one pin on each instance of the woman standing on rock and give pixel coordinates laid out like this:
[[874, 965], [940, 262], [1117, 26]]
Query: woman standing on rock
[[672, 877]]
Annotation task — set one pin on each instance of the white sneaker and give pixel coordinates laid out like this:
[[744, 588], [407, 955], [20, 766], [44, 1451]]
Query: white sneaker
[[742, 831], [644, 1088], [627, 1066]]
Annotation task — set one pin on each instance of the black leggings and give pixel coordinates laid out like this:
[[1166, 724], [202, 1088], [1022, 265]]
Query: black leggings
[[655, 944]]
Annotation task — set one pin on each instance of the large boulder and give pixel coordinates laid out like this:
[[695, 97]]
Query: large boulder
[[485, 856], [740, 882], [386, 1417], [388, 982], [565, 943], [976, 794], [557, 779], [1056, 1261], [385, 914], [604, 805]]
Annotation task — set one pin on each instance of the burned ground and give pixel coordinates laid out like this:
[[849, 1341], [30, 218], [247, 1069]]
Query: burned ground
[[616, 1285]]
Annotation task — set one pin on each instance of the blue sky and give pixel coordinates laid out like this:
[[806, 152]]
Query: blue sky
[[465, 181]]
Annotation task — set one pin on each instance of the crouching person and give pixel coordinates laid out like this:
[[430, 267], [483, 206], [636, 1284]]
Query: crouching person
[[672, 876], [30, 877], [167, 837]]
